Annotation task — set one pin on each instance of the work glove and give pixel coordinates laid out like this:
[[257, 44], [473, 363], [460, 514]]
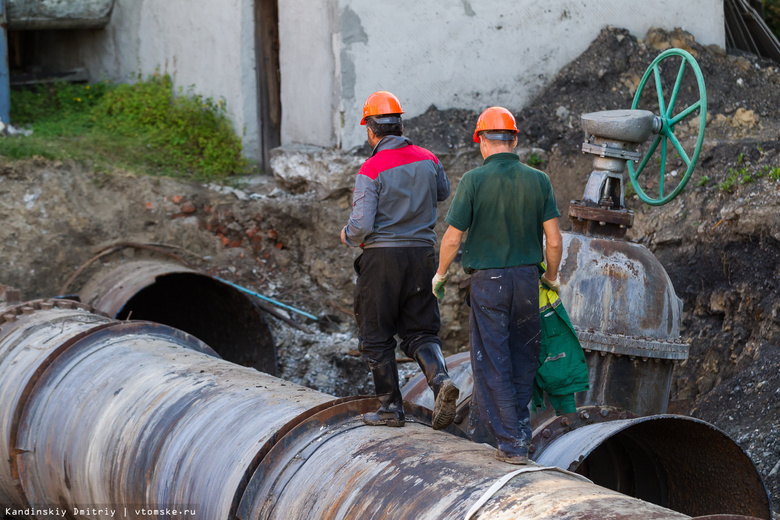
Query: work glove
[[438, 284], [555, 285]]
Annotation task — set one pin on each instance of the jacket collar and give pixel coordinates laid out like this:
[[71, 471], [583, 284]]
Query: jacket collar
[[505, 156], [390, 142]]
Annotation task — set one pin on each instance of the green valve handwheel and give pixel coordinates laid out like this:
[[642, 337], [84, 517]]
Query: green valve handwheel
[[669, 120]]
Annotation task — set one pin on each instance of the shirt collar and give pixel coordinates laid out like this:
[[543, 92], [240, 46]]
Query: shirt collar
[[390, 142], [504, 156]]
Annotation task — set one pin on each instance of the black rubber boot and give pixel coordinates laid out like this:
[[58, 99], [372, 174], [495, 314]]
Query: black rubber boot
[[445, 393], [391, 410]]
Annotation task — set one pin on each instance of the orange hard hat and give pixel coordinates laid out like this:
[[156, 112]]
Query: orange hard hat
[[495, 118], [381, 103]]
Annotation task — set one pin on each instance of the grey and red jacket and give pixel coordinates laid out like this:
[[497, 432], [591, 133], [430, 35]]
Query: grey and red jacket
[[395, 197]]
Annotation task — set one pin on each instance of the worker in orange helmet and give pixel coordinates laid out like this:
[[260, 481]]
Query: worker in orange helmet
[[507, 207], [393, 217]]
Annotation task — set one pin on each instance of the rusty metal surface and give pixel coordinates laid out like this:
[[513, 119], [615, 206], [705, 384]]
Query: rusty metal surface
[[417, 391], [167, 292], [726, 517], [617, 287], [56, 14], [31, 336], [110, 289], [632, 346], [677, 462], [549, 430], [636, 384], [333, 466], [141, 415], [164, 425]]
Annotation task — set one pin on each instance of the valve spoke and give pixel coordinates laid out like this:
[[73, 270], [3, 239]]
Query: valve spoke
[[679, 148], [663, 168], [675, 90], [659, 89], [685, 113], [646, 158]]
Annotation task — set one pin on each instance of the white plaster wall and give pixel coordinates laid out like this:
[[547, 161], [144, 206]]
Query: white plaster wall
[[310, 78], [458, 53], [208, 45]]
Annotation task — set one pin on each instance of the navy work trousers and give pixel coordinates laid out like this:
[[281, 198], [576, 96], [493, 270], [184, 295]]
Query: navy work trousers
[[505, 336], [393, 296]]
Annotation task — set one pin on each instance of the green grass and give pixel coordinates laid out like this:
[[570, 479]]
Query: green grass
[[534, 161], [703, 180], [629, 189], [143, 127]]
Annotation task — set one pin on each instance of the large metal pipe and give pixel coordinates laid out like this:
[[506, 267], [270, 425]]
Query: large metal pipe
[[173, 294], [652, 457], [29, 342], [140, 415]]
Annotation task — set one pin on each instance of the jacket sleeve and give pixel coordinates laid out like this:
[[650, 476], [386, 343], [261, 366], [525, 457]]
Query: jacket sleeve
[[442, 183], [364, 204]]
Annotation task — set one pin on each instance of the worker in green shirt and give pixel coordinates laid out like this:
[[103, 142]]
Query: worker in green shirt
[[507, 208]]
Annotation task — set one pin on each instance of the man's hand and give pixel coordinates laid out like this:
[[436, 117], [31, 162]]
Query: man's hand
[[438, 283], [555, 285], [344, 236]]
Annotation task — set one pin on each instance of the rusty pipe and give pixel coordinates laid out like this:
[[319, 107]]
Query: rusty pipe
[[141, 415], [333, 466], [658, 458], [31, 336], [173, 294]]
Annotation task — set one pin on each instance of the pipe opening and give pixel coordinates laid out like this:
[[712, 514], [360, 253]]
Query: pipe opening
[[217, 314], [675, 462]]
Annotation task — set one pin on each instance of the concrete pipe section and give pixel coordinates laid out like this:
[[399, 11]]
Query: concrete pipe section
[[56, 14], [120, 418], [674, 461], [166, 292]]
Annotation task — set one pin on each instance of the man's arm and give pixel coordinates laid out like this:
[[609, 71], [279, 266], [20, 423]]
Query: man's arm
[[364, 203], [450, 243], [442, 184], [553, 249]]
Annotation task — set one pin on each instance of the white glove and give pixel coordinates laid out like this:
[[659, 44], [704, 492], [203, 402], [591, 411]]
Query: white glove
[[437, 284], [555, 285]]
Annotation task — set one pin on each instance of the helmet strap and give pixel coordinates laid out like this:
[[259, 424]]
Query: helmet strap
[[387, 120], [498, 136]]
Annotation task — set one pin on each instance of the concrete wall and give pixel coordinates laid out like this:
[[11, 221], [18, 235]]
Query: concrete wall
[[450, 53], [203, 44], [309, 65]]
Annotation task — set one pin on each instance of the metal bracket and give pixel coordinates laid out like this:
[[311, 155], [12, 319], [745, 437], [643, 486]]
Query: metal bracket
[[608, 151]]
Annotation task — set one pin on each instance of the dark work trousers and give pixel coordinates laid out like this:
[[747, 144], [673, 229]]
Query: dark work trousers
[[505, 336], [393, 296]]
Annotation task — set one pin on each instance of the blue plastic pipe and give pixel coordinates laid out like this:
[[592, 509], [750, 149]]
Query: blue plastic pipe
[[5, 80], [267, 299]]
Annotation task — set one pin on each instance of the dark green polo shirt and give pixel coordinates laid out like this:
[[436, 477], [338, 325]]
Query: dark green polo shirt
[[502, 204]]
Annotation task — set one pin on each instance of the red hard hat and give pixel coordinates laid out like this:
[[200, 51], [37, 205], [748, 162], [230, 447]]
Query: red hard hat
[[381, 103], [495, 118]]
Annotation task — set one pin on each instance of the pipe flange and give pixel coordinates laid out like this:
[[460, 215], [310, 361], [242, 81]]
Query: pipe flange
[[17, 312], [620, 217], [609, 151], [553, 428], [644, 348]]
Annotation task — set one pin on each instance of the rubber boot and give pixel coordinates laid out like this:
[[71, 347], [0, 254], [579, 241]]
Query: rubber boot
[[391, 410], [445, 393]]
